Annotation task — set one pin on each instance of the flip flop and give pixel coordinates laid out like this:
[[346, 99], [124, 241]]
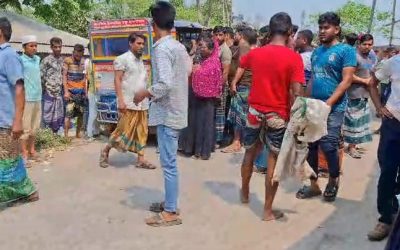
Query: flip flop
[[306, 193], [230, 150], [158, 207], [145, 165], [354, 154], [158, 220], [277, 215]]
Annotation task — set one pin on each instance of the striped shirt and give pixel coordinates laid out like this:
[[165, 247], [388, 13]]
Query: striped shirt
[[75, 75], [171, 68]]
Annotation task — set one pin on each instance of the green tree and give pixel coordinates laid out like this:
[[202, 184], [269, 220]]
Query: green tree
[[355, 17]]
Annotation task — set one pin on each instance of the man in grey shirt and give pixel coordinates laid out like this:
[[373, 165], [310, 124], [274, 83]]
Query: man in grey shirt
[[169, 107], [357, 120]]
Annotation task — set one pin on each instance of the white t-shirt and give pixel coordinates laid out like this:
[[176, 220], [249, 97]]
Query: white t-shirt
[[391, 70], [133, 80]]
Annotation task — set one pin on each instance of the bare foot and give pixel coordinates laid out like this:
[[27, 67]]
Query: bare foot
[[33, 197], [272, 215], [244, 196]]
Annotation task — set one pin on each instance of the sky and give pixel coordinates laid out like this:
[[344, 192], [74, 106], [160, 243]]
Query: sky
[[266, 8]]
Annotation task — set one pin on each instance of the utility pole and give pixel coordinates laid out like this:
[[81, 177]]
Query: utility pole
[[393, 22], [371, 20]]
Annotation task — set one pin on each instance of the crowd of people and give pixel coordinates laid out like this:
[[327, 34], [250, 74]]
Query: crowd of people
[[228, 89]]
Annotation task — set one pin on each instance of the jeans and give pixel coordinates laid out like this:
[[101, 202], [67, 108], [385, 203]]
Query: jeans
[[168, 143], [261, 160], [329, 145], [389, 162]]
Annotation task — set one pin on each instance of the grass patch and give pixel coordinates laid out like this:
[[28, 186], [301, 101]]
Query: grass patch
[[46, 139]]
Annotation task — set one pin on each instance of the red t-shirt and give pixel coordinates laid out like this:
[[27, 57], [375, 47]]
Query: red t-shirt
[[274, 68]]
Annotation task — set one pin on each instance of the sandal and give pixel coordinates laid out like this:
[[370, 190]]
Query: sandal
[[231, 150], [331, 192], [354, 153], [306, 193], [145, 165], [103, 160], [158, 220], [158, 207]]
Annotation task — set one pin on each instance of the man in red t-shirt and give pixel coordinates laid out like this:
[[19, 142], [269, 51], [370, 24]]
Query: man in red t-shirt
[[278, 76]]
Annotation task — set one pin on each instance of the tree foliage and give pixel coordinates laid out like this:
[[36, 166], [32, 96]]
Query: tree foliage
[[74, 16], [355, 18]]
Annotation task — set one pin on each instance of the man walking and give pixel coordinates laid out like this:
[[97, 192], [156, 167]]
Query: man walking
[[52, 82], [132, 129], [33, 96], [389, 145], [169, 108], [277, 79], [333, 66], [15, 185]]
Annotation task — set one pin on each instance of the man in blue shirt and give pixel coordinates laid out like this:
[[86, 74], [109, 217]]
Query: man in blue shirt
[[333, 66], [15, 185], [33, 96]]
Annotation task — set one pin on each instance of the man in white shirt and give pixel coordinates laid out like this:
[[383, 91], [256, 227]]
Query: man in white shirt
[[132, 129], [389, 145]]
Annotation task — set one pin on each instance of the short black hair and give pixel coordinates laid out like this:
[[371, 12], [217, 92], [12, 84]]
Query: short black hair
[[365, 37], [307, 34], [229, 31], [330, 18], [79, 48], [5, 27], [55, 40], [280, 24], [163, 14], [133, 36], [209, 41], [351, 38], [250, 36], [218, 29], [295, 28]]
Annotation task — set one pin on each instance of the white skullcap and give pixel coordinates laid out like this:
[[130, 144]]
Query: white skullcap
[[28, 39]]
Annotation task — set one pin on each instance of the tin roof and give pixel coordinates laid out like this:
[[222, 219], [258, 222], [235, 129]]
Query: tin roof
[[22, 25]]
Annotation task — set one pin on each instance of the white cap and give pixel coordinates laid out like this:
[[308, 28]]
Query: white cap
[[28, 39]]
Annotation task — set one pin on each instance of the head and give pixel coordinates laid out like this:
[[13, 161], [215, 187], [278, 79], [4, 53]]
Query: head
[[351, 39], [250, 36], [229, 34], [136, 44], [365, 44], [78, 52], [295, 28], [56, 45], [304, 39], [391, 51], [163, 15], [219, 34], [29, 43], [206, 45], [280, 25], [329, 27], [5, 30]]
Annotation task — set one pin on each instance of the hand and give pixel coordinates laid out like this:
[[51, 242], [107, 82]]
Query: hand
[[195, 67], [367, 81], [17, 130], [67, 95], [384, 112], [139, 96], [233, 90], [121, 106]]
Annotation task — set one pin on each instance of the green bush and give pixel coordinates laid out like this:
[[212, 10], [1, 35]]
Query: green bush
[[46, 139]]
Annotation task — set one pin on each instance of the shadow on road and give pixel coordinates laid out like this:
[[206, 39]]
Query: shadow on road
[[230, 193], [122, 160], [140, 198]]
